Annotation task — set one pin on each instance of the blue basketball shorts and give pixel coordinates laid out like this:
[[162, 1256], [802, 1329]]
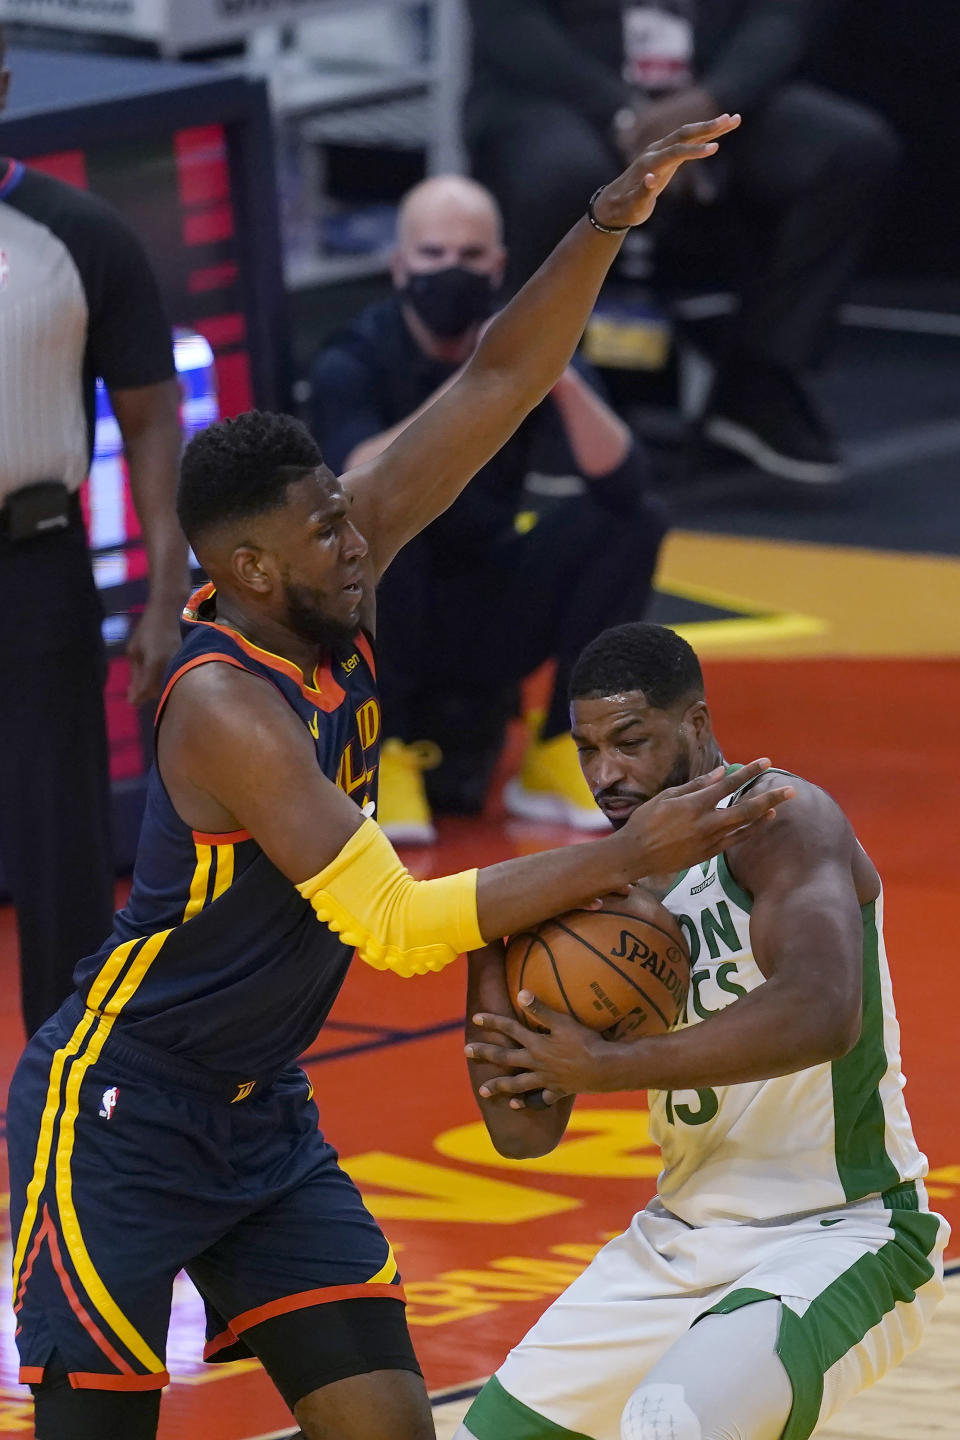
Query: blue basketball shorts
[[128, 1165]]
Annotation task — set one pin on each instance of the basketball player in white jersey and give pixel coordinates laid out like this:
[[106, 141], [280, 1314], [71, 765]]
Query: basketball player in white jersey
[[789, 1257]]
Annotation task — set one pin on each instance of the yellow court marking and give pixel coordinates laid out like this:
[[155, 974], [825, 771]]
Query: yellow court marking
[[814, 600], [752, 625]]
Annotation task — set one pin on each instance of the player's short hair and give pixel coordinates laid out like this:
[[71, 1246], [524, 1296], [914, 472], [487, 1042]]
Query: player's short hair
[[239, 468], [637, 656]]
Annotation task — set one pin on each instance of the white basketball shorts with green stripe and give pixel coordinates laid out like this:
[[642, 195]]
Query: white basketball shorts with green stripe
[[857, 1285]]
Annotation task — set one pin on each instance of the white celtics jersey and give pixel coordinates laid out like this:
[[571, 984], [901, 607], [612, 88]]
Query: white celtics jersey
[[808, 1141]]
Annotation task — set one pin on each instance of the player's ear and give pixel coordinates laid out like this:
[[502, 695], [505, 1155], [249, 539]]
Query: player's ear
[[698, 718], [248, 566]]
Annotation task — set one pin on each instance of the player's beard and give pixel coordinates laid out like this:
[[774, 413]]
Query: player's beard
[[308, 620], [679, 772]]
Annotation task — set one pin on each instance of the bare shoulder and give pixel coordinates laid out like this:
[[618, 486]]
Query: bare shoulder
[[811, 807], [234, 755], [809, 833], [217, 711], [219, 693]]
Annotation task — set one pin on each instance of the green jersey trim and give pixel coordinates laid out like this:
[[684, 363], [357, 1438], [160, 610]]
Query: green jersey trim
[[679, 880], [736, 1301], [863, 1165], [735, 891], [498, 1415], [731, 889], [841, 1315]]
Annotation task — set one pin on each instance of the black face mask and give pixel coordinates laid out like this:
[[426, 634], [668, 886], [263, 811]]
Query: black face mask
[[450, 301]]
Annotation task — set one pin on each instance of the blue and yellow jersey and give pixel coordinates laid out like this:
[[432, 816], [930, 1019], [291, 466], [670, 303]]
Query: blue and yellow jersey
[[216, 958]]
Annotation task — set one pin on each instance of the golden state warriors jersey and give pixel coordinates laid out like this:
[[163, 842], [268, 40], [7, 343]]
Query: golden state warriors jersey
[[216, 958], [832, 1133]]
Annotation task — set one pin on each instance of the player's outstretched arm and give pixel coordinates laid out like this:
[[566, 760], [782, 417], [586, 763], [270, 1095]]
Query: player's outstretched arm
[[808, 880], [233, 755], [523, 353], [516, 1133]]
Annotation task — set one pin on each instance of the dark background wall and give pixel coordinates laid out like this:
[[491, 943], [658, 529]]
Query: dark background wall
[[903, 57]]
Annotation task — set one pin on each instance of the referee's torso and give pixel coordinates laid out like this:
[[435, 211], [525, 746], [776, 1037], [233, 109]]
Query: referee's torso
[[77, 301]]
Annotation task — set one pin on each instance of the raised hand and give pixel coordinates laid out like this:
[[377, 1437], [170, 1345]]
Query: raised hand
[[682, 826], [630, 199]]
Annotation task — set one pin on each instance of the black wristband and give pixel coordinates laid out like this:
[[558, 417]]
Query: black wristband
[[591, 216]]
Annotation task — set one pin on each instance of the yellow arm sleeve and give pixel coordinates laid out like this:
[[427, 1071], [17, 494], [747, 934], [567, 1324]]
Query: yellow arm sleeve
[[395, 922]]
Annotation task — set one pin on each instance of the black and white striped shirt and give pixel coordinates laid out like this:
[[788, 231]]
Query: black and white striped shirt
[[77, 301]]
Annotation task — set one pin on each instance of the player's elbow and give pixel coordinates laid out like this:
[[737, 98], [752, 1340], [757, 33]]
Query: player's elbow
[[522, 1134], [523, 1147], [368, 898], [839, 1029]]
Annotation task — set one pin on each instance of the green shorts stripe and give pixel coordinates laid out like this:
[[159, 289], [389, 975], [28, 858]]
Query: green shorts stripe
[[838, 1319], [496, 1415]]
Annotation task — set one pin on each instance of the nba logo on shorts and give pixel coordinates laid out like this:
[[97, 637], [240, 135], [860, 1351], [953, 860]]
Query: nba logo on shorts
[[109, 1103]]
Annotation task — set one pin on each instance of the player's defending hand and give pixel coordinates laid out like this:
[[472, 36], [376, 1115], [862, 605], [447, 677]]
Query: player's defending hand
[[630, 199], [682, 826]]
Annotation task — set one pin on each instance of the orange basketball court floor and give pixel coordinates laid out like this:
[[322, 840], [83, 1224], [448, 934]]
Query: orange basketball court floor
[[863, 698]]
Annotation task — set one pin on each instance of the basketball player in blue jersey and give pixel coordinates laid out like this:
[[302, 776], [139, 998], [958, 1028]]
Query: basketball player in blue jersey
[[789, 1258], [158, 1122]]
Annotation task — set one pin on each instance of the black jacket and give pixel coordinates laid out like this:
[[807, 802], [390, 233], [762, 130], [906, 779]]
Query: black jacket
[[371, 375], [572, 51]]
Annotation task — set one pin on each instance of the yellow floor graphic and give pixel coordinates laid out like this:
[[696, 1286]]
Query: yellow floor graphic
[[806, 599]]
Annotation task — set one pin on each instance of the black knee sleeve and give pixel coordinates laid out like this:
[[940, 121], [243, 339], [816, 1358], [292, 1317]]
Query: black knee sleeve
[[62, 1413], [306, 1349]]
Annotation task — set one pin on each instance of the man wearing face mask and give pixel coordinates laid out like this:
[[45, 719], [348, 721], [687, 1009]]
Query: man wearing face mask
[[553, 539]]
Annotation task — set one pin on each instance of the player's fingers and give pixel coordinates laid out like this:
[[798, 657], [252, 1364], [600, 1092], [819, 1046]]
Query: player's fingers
[[753, 807], [511, 1084], [499, 1055], [725, 784], [674, 155], [690, 787], [532, 1100], [546, 1018], [698, 131], [503, 1024], [551, 1097]]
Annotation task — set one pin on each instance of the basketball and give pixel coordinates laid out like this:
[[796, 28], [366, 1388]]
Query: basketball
[[623, 970]]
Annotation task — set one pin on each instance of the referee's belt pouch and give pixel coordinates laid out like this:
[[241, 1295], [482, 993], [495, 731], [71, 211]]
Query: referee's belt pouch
[[35, 510]]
